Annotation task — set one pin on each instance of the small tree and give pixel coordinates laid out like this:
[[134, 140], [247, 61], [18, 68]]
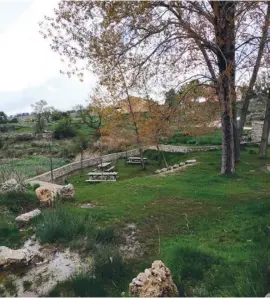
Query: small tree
[[3, 118], [40, 110], [82, 143]]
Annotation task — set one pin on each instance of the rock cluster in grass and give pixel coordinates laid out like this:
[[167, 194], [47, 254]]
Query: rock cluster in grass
[[10, 256], [11, 185], [19, 257], [66, 192], [176, 166], [26, 217], [47, 195], [154, 282]]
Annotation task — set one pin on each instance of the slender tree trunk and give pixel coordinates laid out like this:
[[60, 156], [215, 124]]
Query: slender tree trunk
[[81, 161], [265, 131], [249, 94], [138, 139], [159, 154], [164, 158], [224, 23]]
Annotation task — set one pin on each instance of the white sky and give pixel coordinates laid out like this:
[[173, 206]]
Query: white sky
[[29, 69]]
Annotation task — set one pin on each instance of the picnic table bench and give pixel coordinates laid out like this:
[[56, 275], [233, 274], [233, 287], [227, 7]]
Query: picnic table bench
[[136, 160], [110, 169], [102, 176], [104, 165]]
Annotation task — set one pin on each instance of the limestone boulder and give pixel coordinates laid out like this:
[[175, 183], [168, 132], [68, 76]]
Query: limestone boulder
[[164, 170], [11, 185], [181, 164], [175, 166], [10, 257], [158, 171], [26, 217], [154, 282], [45, 195], [66, 192]]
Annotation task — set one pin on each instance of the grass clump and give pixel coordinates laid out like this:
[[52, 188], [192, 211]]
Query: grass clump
[[19, 202], [9, 233], [62, 225]]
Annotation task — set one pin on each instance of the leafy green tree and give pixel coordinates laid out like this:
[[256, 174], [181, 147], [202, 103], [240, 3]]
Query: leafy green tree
[[64, 129], [3, 118]]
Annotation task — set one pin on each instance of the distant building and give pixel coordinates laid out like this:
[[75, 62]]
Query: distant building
[[256, 131]]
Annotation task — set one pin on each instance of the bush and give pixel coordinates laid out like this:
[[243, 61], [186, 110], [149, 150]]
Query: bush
[[81, 285], [61, 225], [9, 233], [63, 130], [19, 202], [14, 120]]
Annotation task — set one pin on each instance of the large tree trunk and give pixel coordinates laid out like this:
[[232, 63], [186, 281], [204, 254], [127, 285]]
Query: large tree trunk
[[249, 94], [265, 131], [225, 51], [228, 161]]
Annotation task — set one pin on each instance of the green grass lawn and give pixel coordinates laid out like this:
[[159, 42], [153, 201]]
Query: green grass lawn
[[212, 138], [212, 231]]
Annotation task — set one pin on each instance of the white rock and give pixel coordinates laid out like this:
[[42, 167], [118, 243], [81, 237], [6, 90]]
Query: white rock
[[14, 256], [158, 171], [175, 166], [190, 161], [27, 216], [181, 164], [154, 282], [164, 170]]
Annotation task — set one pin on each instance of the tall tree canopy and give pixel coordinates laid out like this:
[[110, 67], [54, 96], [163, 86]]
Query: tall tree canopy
[[172, 41]]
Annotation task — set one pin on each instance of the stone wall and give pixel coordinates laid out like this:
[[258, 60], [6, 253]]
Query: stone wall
[[256, 132], [74, 166], [184, 149]]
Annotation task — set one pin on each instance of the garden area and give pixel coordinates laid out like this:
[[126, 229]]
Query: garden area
[[30, 166], [210, 230]]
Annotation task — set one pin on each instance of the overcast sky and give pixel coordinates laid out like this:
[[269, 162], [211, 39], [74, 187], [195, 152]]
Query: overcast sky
[[29, 70]]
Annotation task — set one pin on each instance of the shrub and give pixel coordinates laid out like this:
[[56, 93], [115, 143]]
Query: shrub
[[9, 233], [14, 120], [24, 137], [35, 186], [19, 202], [63, 130], [62, 225], [81, 285]]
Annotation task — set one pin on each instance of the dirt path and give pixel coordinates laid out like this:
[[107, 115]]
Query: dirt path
[[45, 184]]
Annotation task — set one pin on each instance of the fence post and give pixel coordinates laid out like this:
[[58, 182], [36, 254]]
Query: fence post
[[51, 162]]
